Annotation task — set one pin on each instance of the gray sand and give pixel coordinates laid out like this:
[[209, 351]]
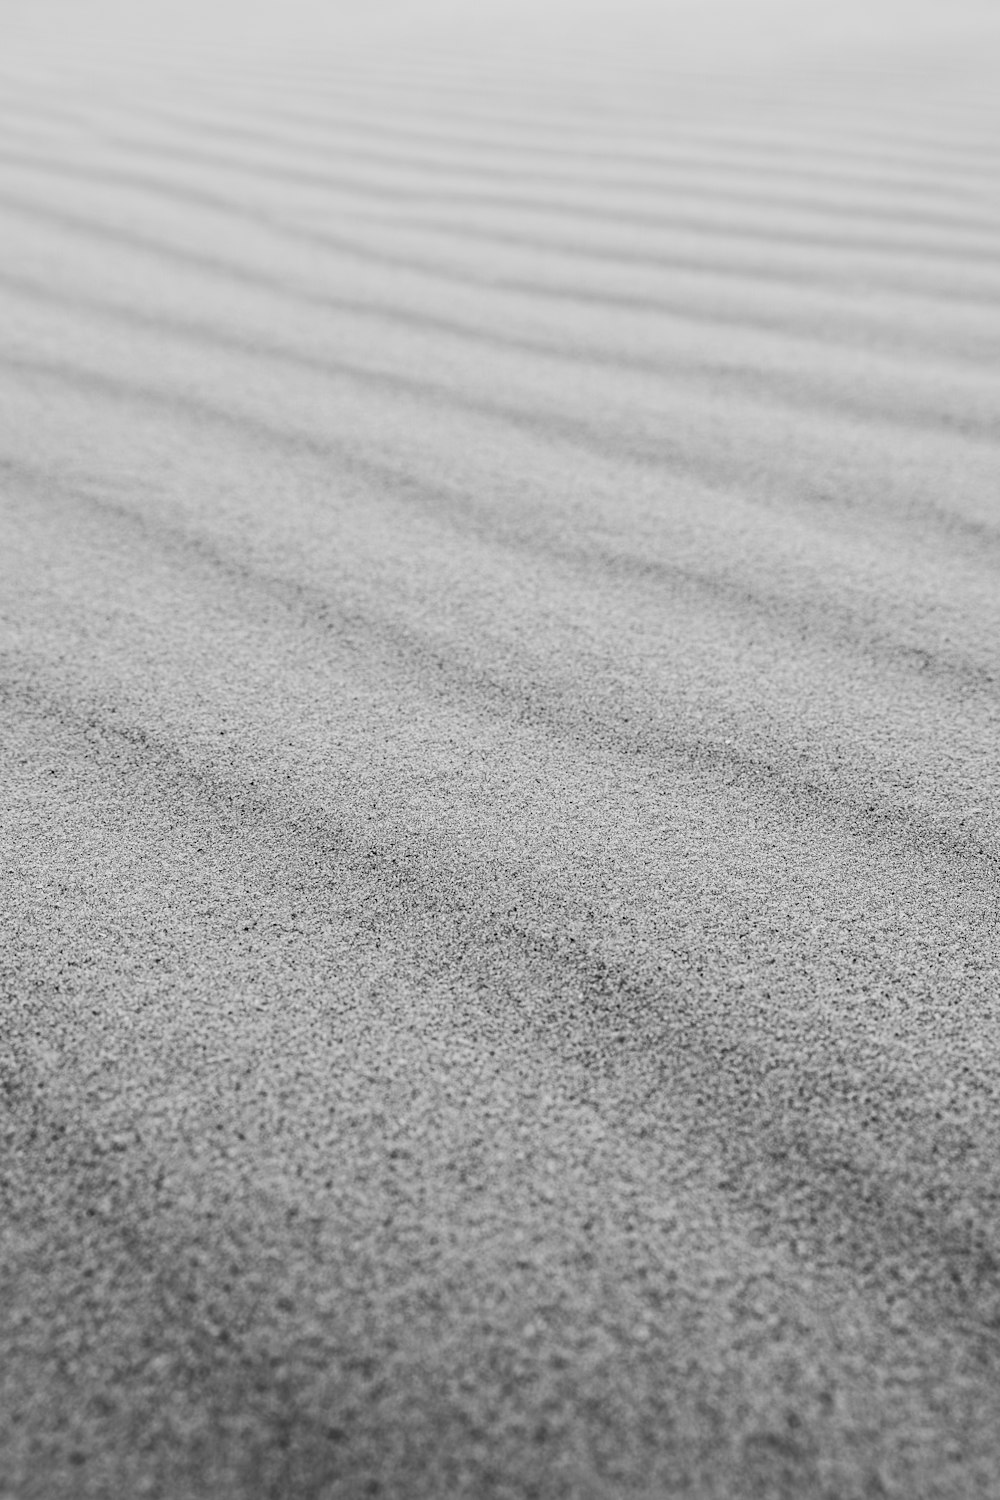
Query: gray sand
[[500, 690]]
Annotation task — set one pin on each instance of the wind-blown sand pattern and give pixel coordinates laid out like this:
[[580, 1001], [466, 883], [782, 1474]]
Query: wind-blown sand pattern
[[500, 690]]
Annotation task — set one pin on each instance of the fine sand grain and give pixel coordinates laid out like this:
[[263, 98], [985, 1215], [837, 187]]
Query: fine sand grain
[[500, 692]]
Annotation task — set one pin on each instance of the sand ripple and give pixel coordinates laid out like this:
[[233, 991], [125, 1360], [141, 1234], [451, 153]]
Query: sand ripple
[[500, 686]]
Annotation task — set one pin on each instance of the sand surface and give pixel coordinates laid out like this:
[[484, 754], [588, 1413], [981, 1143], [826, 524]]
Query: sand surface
[[500, 691]]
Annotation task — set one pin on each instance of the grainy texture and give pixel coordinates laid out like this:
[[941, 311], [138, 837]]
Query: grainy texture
[[499, 550]]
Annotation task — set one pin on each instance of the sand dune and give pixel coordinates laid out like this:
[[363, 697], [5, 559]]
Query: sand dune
[[500, 694]]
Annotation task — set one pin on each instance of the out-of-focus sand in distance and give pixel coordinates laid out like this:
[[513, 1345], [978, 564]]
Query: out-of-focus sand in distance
[[499, 628]]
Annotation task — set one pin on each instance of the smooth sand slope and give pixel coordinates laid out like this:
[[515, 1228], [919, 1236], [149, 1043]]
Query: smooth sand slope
[[500, 691]]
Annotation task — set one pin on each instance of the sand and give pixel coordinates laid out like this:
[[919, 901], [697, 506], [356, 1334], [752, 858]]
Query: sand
[[500, 690]]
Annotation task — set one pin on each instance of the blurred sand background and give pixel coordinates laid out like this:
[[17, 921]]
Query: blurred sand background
[[500, 626]]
